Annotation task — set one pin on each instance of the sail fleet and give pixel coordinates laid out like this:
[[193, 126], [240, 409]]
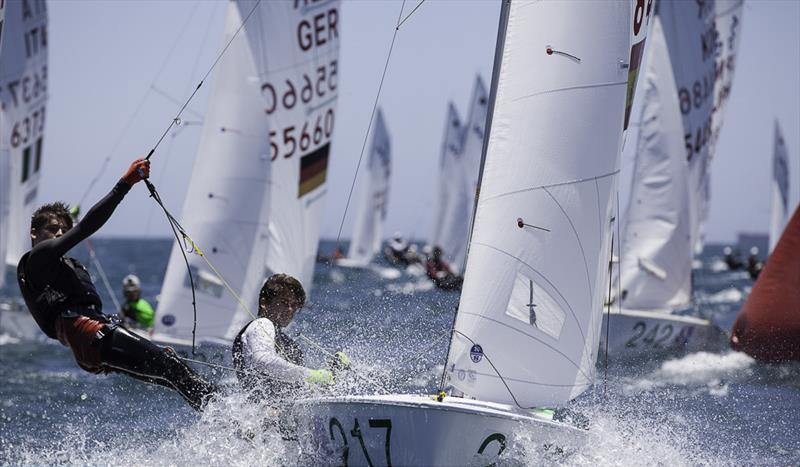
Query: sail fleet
[[527, 211]]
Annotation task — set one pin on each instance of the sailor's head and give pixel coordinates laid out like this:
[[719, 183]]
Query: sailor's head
[[281, 297], [397, 237], [50, 221], [727, 251], [132, 287], [754, 251], [437, 252]]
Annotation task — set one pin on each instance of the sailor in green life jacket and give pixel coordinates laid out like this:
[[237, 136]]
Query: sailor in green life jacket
[[269, 364], [137, 313]]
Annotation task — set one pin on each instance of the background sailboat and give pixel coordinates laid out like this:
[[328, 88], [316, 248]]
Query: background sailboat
[[23, 79], [368, 231], [454, 208], [254, 201], [685, 91], [527, 329], [780, 188]]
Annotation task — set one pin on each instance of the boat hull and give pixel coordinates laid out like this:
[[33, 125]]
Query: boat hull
[[647, 334], [408, 430]]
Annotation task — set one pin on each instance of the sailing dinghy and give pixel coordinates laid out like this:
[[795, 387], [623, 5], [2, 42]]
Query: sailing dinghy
[[23, 79], [368, 233], [526, 333], [254, 203], [669, 195]]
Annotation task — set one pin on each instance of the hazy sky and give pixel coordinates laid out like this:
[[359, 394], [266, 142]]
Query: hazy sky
[[113, 64]]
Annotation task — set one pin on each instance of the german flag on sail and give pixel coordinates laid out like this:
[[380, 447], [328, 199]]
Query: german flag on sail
[[313, 169], [633, 72]]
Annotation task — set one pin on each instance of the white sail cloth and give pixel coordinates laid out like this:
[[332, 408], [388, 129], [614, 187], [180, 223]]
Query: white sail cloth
[[702, 40], [227, 203], [780, 188], [529, 319], [368, 233], [23, 80], [296, 51], [656, 264], [455, 199]]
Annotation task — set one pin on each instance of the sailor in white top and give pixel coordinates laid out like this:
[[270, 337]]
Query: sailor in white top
[[268, 362]]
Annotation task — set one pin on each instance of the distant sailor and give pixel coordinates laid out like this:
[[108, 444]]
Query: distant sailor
[[269, 364], [137, 313], [733, 259], [440, 272], [754, 265], [396, 249], [65, 304]]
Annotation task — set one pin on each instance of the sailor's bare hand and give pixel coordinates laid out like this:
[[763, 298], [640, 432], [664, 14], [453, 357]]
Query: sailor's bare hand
[[138, 171]]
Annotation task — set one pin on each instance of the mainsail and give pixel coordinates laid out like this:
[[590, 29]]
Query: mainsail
[[368, 232], [780, 188], [656, 263], [227, 202], [23, 81], [296, 51], [702, 40], [455, 200], [528, 325], [690, 63]]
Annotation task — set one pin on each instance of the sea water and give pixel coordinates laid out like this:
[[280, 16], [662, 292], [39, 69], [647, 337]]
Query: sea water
[[705, 408]]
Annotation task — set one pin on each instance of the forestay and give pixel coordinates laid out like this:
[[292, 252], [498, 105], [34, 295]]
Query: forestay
[[23, 80], [227, 203], [455, 200], [368, 232], [296, 50], [780, 189], [527, 328], [656, 262], [702, 39], [4, 169]]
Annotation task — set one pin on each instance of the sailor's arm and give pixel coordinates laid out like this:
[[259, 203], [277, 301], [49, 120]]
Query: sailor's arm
[[260, 342], [95, 217]]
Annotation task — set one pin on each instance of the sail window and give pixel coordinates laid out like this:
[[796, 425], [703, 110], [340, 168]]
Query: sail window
[[26, 163], [534, 306], [38, 164], [205, 282]]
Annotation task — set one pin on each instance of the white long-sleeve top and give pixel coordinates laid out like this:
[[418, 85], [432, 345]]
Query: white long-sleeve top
[[258, 353]]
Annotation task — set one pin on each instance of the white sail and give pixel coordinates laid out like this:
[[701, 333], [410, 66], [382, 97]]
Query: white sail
[[227, 202], [656, 262], [702, 40], [780, 189], [529, 319], [4, 169], [296, 50], [23, 81], [455, 199], [368, 233]]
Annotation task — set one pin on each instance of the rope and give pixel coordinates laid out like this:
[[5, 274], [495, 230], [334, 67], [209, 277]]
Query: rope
[[369, 126], [177, 117], [102, 272], [138, 109]]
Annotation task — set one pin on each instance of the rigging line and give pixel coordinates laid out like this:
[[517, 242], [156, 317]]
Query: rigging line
[[412, 12], [213, 65], [369, 126], [102, 273], [175, 101], [608, 313], [503, 380], [138, 109]]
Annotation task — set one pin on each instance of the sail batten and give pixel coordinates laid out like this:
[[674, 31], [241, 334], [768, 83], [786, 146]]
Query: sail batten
[[528, 325]]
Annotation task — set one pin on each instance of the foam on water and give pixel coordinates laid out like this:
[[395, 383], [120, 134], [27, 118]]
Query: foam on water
[[7, 339], [701, 369]]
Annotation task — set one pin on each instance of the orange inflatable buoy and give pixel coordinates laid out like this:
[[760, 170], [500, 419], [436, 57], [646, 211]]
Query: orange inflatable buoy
[[768, 325]]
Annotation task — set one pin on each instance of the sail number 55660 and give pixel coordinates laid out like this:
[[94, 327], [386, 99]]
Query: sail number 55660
[[286, 142], [288, 93]]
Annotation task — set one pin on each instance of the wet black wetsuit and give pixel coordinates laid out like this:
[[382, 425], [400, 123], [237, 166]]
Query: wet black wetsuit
[[60, 295]]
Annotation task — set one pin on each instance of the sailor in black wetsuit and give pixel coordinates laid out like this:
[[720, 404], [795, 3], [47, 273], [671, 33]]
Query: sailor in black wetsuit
[[61, 297]]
